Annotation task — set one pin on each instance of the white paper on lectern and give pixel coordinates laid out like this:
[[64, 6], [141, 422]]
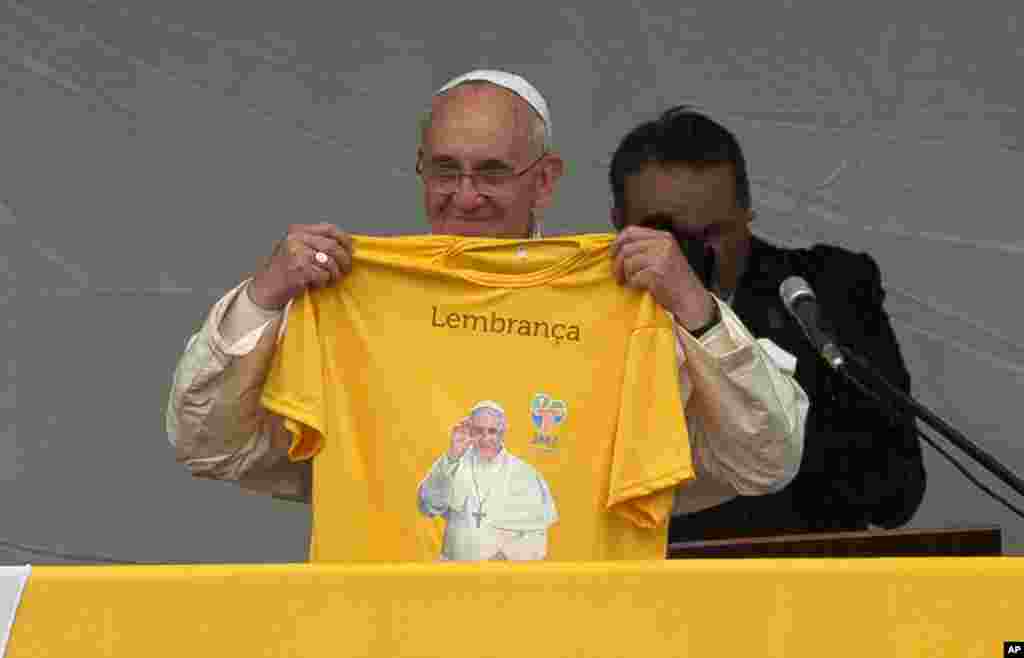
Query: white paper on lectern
[[12, 584]]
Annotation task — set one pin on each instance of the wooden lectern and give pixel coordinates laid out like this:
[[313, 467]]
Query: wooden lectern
[[987, 541]]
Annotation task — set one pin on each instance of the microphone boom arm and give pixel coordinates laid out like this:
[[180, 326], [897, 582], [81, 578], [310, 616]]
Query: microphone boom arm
[[950, 433], [799, 299]]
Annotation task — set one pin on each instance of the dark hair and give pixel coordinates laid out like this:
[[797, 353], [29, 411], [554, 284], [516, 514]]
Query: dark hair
[[681, 135]]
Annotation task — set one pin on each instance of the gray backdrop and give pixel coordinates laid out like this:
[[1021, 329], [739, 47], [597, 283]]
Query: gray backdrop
[[151, 152]]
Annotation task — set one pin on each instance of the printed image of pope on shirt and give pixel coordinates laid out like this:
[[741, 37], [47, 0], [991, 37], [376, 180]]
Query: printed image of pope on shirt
[[496, 506]]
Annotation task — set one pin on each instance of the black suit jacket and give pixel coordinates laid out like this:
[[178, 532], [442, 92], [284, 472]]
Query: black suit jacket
[[860, 465]]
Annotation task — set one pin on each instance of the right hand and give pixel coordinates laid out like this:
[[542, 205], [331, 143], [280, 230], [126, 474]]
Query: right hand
[[461, 439], [292, 267]]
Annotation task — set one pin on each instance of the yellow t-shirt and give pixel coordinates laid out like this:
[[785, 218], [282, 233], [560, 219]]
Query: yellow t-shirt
[[373, 373]]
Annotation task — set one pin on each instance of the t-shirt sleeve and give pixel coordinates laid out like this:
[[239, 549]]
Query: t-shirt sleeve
[[652, 453], [294, 388]]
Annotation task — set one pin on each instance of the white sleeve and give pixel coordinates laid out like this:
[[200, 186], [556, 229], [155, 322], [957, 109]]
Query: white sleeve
[[243, 322], [214, 419], [745, 414], [434, 492]]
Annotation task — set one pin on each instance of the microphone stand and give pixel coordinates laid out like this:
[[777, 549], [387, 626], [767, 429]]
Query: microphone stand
[[987, 461]]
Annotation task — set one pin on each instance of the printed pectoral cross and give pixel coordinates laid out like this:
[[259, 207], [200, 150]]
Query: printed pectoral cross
[[480, 516]]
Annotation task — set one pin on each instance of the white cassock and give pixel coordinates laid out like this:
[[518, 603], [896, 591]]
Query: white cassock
[[497, 510]]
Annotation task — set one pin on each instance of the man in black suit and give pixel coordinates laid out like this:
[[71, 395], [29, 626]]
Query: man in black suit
[[685, 174]]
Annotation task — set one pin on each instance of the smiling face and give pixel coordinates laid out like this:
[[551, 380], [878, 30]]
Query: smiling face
[[481, 128], [486, 429]]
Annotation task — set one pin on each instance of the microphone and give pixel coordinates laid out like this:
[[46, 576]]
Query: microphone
[[801, 303]]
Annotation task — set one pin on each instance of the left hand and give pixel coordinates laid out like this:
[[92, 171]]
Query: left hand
[[651, 260]]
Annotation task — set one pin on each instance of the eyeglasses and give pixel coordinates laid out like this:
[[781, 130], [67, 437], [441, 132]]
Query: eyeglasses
[[490, 183]]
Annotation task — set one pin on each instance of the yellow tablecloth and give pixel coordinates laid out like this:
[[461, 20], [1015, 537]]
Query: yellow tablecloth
[[867, 607]]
